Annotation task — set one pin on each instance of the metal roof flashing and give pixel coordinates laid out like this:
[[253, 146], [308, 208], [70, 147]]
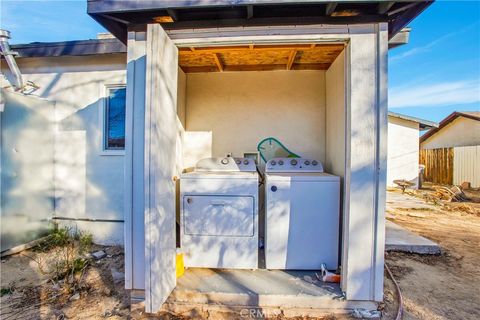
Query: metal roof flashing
[[423, 124]]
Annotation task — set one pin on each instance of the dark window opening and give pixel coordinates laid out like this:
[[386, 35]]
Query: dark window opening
[[115, 119]]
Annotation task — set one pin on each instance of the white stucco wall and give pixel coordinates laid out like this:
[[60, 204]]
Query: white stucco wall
[[26, 168], [403, 140], [88, 182], [458, 133], [242, 108]]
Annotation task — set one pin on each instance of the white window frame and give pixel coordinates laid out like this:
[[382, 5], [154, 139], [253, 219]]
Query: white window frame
[[104, 94]]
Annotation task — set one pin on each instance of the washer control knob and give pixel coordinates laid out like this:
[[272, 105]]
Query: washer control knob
[[224, 161], [280, 162], [273, 162], [307, 162], [273, 188], [314, 162], [245, 161], [238, 161], [293, 162]]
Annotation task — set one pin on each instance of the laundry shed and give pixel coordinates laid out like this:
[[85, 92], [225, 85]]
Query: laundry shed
[[211, 80]]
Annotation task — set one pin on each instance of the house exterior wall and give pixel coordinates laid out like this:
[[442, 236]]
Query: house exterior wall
[[403, 150], [460, 132], [26, 168], [240, 109], [88, 182]]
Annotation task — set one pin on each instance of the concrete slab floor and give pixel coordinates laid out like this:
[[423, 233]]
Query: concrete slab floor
[[299, 292], [398, 238], [404, 201]]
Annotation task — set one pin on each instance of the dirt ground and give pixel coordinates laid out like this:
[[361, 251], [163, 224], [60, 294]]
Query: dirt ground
[[433, 287], [444, 286]]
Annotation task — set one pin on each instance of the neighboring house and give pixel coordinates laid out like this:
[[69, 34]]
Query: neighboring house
[[458, 129], [207, 79], [451, 152], [403, 147]]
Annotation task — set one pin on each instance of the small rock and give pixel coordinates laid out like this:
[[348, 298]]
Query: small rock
[[116, 275], [366, 314], [76, 296], [309, 279], [99, 255]]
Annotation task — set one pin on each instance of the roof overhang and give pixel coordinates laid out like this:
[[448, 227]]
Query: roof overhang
[[450, 118], [423, 124], [120, 16]]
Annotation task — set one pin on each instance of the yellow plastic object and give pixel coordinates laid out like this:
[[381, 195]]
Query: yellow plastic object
[[180, 270]]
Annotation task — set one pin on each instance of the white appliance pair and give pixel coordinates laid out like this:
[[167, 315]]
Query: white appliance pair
[[219, 214]]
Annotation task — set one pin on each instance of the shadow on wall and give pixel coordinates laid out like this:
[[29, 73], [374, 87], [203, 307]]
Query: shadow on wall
[[27, 148], [88, 182], [61, 173]]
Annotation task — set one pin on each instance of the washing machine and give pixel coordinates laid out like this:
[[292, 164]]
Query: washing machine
[[219, 214], [302, 213]]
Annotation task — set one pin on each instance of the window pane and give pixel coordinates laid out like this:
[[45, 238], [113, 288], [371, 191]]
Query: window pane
[[115, 118]]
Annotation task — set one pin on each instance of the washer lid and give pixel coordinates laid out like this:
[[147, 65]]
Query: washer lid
[[301, 176]]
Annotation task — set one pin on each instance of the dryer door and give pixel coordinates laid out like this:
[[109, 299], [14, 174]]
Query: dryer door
[[228, 216]]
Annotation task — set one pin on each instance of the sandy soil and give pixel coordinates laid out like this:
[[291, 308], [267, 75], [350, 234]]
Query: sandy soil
[[444, 286], [33, 296], [433, 287]]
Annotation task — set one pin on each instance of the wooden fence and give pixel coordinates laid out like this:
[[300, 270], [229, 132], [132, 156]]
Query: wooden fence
[[438, 165]]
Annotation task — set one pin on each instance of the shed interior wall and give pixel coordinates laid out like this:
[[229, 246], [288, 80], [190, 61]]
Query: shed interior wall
[[335, 117], [232, 112]]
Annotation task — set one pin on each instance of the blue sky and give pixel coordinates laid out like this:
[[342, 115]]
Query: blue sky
[[437, 73]]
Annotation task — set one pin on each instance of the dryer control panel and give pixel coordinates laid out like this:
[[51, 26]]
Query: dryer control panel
[[293, 165], [227, 164]]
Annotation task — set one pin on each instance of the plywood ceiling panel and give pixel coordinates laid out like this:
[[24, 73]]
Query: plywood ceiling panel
[[259, 57]]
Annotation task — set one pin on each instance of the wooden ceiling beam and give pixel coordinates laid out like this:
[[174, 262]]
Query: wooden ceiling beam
[[299, 47], [291, 59], [257, 67], [218, 62]]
